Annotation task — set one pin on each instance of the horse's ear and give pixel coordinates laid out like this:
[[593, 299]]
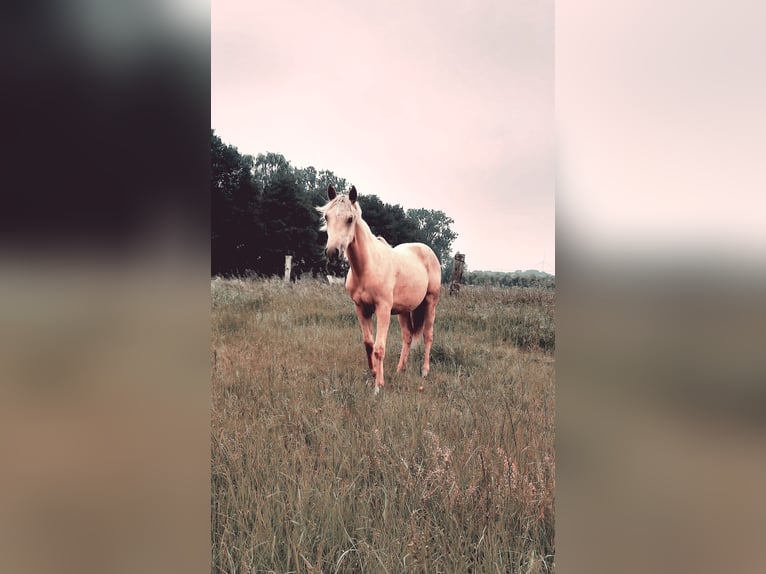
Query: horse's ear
[[352, 194], [331, 193]]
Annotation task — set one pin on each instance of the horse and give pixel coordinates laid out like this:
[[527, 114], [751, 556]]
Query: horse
[[404, 280]]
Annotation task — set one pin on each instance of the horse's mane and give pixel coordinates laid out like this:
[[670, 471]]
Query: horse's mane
[[337, 202]]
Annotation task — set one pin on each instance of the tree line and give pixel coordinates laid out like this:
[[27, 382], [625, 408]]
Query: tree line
[[529, 278], [263, 208]]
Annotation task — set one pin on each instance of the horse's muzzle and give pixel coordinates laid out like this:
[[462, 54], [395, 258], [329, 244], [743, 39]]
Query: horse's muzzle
[[333, 253]]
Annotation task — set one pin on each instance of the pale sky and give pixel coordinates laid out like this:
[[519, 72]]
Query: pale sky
[[441, 105]]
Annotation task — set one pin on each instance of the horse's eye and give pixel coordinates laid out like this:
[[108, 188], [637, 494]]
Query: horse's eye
[[349, 220]]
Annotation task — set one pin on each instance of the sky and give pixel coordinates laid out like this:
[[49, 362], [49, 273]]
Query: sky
[[441, 105]]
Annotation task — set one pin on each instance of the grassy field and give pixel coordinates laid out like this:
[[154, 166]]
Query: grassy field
[[312, 473]]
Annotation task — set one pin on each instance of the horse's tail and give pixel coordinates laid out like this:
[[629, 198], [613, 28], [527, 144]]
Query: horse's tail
[[417, 320]]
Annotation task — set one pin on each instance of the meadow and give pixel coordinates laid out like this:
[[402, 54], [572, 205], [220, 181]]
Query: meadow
[[312, 473]]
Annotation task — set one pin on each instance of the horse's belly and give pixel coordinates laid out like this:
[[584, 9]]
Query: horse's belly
[[408, 295], [411, 283]]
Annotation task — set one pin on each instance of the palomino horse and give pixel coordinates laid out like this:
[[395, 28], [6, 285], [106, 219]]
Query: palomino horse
[[404, 280]]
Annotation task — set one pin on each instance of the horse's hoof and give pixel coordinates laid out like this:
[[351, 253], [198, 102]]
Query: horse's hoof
[[424, 372], [376, 391]]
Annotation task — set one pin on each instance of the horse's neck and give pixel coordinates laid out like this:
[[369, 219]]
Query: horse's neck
[[361, 252]]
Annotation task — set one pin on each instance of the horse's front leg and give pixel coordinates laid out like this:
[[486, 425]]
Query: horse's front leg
[[379, 349], [365, 321]]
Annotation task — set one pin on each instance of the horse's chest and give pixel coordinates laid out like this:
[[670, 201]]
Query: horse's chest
[[366, 300]]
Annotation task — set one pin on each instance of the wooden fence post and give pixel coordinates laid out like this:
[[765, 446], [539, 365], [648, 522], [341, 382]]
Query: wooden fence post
[[288, 266], [457, 273]]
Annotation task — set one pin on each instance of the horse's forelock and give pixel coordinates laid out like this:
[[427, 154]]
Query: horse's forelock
[[337, 202]]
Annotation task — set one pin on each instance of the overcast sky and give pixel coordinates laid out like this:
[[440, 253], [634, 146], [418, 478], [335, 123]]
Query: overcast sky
[[442, 105]]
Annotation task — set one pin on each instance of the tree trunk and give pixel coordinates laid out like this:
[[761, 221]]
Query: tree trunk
[[457, 274]]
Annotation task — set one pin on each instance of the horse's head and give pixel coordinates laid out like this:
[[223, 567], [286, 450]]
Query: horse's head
[[340, 217]]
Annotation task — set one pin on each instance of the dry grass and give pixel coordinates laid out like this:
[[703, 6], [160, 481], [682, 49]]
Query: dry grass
[[312, 473]]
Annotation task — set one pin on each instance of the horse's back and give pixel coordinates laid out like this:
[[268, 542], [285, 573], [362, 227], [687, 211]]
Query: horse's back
[[418, 257]]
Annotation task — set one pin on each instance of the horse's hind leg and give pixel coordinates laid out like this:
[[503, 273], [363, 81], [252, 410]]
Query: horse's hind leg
[[404, 321], [428, 331]]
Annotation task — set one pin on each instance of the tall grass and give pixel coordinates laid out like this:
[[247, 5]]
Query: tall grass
[[312, 473]]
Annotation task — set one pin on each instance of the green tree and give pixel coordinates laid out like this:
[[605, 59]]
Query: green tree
[[326, 177], [388, 221], [269, 166], [289, 226], [434, 225], [233, 201], [306, 177]]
